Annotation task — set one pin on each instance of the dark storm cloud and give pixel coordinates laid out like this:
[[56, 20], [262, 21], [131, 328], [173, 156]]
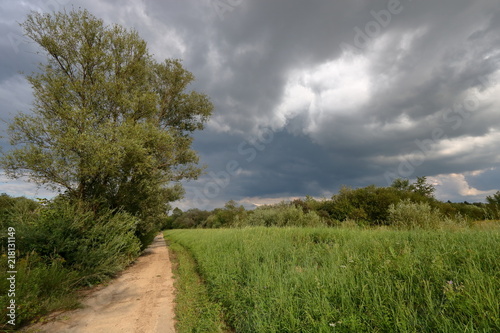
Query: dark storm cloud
[[350, 90], [487, 180], [279, 160]]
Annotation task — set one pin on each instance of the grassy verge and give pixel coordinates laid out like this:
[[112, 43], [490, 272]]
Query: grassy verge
[[342, 280], [194, 310], [58, 249], [38, 289]]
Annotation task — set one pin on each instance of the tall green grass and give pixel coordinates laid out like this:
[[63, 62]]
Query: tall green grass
[[347, 280], [193, 309]]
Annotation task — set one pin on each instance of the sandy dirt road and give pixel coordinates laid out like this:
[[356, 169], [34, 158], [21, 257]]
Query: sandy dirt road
[[140, 300]]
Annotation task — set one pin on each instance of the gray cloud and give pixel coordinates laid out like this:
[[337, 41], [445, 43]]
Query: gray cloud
[[337, 117]]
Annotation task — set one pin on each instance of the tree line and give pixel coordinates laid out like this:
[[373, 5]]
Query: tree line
[[367, 206]]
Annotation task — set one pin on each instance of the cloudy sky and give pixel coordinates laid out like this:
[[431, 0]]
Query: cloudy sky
[[312, 95]]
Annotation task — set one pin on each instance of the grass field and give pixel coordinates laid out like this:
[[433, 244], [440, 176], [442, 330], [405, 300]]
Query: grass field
[[349, 280]]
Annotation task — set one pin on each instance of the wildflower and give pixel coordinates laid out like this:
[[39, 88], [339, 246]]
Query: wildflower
[[449, 282]]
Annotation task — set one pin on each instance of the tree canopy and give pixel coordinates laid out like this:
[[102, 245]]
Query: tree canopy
[[109, 124], [420, 186]]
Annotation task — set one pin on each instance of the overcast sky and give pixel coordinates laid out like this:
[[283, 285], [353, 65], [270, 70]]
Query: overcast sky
[[312, 95]]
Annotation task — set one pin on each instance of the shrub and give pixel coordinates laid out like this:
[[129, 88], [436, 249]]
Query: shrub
[[191, 218], [493, 206], [228, 216], [59, 247], [410, 215], [40, 288], [369, 205], [108, 246], [281, 216], [95, 245], [24, 209]]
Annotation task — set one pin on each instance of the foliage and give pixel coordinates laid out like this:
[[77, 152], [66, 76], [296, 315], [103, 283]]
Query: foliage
[[23, 206], [282, 215], [110, 126], [494, 199], [343, 280], [369, 204], [472, 212], [420, 186], [96, 246], [230, 215], [61, 246], [366, 206], [191, 218], [168, 222], [40, 288], [410, 215], [193, 309], [494, 205]]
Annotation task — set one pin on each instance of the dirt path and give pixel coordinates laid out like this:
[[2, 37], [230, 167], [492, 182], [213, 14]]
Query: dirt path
[[140, 300]]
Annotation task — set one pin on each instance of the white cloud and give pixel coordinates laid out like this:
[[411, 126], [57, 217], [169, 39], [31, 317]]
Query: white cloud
[[454, 186], [467, 147], [18, 188], [400, 123], [274, 66], [261, 201], [339, 86], [163, 40]]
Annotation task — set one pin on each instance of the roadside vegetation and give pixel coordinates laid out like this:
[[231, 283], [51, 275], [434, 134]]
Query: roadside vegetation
[[110, 130], [350, 279], [195, 311], [60, 248], [390, 259]]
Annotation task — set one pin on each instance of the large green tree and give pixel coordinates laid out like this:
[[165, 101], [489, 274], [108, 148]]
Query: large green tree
[[110, 125]]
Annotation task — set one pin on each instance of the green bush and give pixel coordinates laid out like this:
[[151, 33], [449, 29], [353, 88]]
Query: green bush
[[40, 288], [282, 215], [12, 209], [192, 218], [95, 245], [369, 205], [59, 247], [410, 215], [107, 247], [229, 216], [472, 212], [493, 206]]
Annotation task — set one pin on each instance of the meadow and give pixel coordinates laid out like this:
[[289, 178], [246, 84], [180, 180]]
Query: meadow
[[347, 279]]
